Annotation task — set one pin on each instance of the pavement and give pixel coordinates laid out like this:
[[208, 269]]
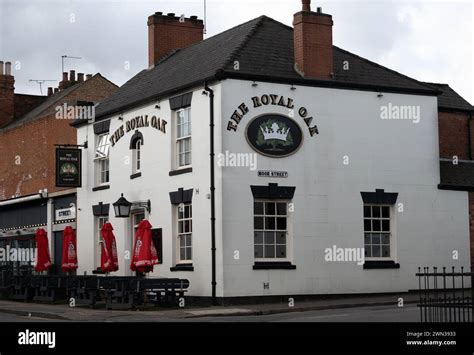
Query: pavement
[[62, 312]]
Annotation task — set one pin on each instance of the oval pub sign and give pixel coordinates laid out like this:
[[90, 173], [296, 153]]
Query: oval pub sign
[[274, 135]]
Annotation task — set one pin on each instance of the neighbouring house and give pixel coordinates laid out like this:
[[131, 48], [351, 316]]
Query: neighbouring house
[[30, 128]]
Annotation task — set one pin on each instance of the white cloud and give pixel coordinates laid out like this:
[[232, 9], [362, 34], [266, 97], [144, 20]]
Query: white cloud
[[430, 41]]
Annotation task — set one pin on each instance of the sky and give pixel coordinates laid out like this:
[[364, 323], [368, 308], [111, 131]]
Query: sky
[[426, 40]]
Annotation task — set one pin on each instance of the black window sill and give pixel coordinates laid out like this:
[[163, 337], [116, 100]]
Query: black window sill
[[135, 176], [182, 267], [100, 188], [274, 265], [381, 264], [181, 171]]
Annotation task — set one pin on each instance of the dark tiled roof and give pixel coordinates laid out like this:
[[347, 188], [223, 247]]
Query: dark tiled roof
[[50, 101], [263, 49], [450, 99], [37, 111], [457, 177]]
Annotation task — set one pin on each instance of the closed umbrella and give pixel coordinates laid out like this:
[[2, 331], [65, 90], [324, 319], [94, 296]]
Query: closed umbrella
[[69, 259], [109, 259], [144, 252], [43, 259]]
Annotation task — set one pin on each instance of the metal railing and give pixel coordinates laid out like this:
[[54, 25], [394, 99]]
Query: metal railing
[[445, 296]]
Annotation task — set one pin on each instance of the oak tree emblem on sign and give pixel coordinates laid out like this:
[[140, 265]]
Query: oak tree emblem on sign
[[68, 169], [274, 135]]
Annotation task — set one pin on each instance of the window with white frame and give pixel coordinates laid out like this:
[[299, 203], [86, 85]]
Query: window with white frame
[[377, 231], [185, 231], [183, 137], [136, 159], [100, 222], [270, 229], [102, 159]]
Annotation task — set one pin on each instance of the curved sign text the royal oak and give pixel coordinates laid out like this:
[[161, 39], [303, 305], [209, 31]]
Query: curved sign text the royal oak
[[274, 135]]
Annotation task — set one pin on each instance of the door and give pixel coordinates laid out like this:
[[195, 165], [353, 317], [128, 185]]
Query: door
[[58, 253]]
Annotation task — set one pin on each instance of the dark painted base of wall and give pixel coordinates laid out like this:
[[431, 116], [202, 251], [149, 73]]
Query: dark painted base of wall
[[234, 301]]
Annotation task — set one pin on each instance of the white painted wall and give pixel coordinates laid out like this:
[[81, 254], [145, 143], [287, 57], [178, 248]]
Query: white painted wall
[[398, 156], [155, 184]]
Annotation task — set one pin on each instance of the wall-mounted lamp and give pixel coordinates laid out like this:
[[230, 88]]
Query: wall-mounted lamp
[[379, 94], [254, 84], [292, 87], [157, 106], [120, 117], [123, 207]]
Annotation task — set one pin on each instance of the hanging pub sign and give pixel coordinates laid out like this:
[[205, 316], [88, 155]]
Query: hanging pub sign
[[68, 167], [274, 135]]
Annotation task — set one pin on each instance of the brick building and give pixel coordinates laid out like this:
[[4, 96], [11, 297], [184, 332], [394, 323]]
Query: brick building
[[30, 127], [29, 130], [456, 147]]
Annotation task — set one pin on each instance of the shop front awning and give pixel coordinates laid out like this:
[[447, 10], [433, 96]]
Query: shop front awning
[[23, 213]]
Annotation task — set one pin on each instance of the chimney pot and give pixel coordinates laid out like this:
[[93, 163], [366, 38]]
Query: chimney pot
[[50, 91], [171, 14], [194, 17], [320, 10], [72, 75], [306, 5], [65, 79], [8, 68], [88, 76], [56, 90], [80, 77], [1, 67]]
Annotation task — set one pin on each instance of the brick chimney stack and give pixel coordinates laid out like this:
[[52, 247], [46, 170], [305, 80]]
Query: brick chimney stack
[[63, 83], [168, 32], [313, 42], [7, 94]]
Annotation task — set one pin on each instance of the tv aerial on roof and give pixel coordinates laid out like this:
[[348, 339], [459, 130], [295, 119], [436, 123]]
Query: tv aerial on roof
[[40, 82], [64, 57], [205, 17]]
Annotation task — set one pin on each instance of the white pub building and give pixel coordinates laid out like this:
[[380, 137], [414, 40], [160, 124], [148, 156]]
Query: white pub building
[[270, 163]]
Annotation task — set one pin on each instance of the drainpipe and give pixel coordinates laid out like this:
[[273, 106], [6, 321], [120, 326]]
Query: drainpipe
[[469, 126], [213, 188]]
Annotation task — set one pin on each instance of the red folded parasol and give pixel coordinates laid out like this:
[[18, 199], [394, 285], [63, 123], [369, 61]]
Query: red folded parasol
[[43, 259], [144, 252], [108, 260], [69, 260]]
